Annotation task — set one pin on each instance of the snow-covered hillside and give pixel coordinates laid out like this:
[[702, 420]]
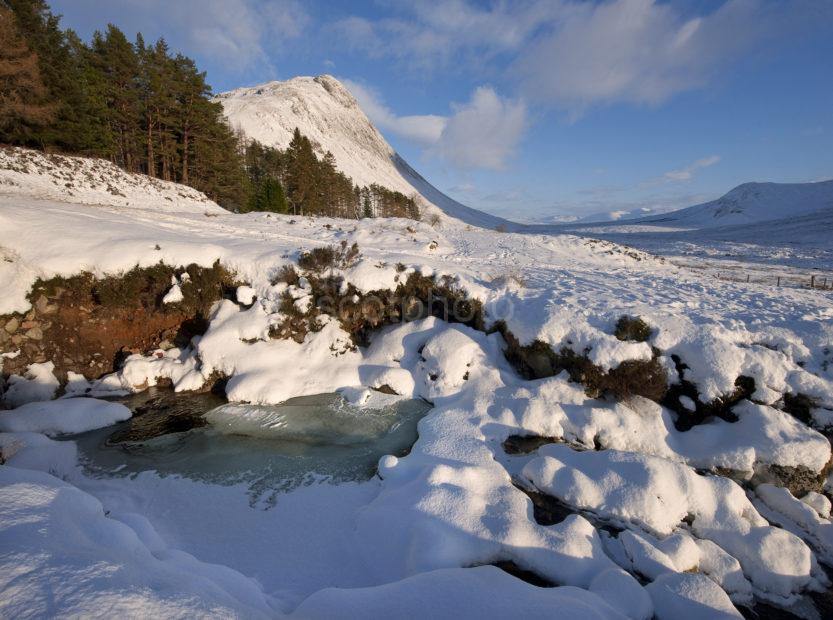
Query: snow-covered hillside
[[325, 111], [778, 224], [32, 174], [752, 203]]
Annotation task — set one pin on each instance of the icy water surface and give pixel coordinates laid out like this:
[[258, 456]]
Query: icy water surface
[[274, 447]]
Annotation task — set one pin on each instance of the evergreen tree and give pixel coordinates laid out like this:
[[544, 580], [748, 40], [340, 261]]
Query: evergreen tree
[[116, 59], [367, 207], [300, 173], [60, 75], [149, 111], [23, 107]]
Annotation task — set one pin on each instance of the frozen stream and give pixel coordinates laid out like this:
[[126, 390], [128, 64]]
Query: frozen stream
[[275, 447]]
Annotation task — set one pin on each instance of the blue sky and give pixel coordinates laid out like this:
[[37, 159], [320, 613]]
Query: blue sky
[[535, 108]]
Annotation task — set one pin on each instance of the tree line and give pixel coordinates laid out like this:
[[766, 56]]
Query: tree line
[[151, 111], [297, 181]]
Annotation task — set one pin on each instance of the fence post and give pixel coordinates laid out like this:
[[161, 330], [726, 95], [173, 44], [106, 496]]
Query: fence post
[[779, 281], [812, 281], [747, 277]]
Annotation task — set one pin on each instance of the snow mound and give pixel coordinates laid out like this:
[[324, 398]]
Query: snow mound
[[448, 360], [694, 597], [658, 496], [63, 417], [37, 383], [24, 172], [482, 592], [63, 556]]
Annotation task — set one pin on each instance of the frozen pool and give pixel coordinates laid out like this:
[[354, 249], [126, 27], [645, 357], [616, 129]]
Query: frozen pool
[[269, 448]]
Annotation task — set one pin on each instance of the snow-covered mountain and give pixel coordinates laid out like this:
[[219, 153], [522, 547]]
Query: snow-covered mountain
[[752, 203], [325, 111]]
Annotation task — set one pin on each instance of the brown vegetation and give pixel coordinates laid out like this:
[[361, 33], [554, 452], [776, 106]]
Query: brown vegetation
[[88, 325]]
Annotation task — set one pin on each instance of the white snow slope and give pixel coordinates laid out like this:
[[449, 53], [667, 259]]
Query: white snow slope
[[83, 180], [405, 543], [325, 111], [752, 203]]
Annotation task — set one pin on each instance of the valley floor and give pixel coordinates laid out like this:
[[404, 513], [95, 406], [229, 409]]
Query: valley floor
[[657, 521]]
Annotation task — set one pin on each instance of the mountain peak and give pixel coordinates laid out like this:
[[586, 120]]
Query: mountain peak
[[327, 113], [337, 90]]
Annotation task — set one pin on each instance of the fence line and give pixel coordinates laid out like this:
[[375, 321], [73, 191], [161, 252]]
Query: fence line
[[822, 283]]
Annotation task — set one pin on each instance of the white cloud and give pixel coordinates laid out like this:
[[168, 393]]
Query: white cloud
[[424, 130], [574, 54], [484, 132], [686, 173], [637, 51], [237, 34], [432, 34], [481, 133]]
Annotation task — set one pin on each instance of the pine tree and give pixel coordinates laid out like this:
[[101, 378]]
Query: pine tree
[[300, 173], [367, 206], [23, 106], [115, 57], [60, 75]]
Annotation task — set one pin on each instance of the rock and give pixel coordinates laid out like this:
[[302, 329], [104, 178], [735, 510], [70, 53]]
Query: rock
[[17, 339], [12, 325], [41, 303], [36, 333], [28, 324]]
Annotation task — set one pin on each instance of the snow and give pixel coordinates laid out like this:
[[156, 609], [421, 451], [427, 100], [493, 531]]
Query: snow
[[677, 595], [325, 112], [174, 295], [37, 383], [818, 502], [63, 417], [39, 452], [422, 532], [799, 517], [245, 295], [658, 495], [447, 359], [752, 203], [485, 592], [64, 556], [93, 181]]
